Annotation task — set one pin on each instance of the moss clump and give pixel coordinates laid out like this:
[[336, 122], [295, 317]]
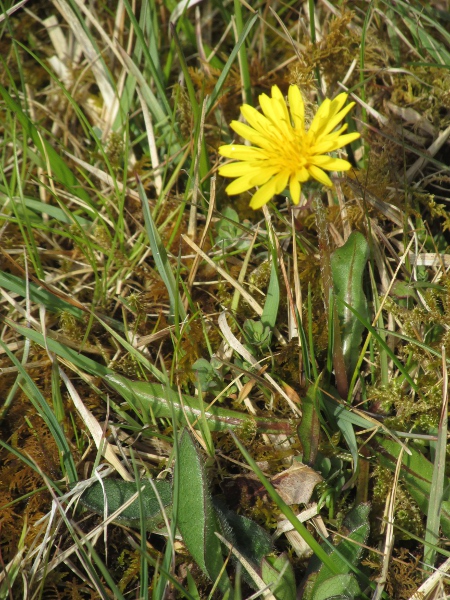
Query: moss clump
[[406, 512]]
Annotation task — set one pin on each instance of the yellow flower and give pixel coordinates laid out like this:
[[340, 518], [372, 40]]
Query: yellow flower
[[283, 151]]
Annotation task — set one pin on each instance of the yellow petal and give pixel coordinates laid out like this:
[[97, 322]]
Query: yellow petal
[[276, 92], [276, 111], [320, 117], [302, 175], [236, 169], [242, 184], [331, 164], [295, 189], [263, 195], [332, 142], [323, 147], [348, 138], [320, 176], [315, 139], [336, 119], [297, 107], [263, 175], [250, 134], [279, 107], [335, 134], [255, 118], [239, 152], [266, 106], [338, 103], [253, 177], [281, 181]]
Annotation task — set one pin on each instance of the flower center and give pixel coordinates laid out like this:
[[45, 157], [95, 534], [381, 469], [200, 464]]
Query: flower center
[[290, 153]]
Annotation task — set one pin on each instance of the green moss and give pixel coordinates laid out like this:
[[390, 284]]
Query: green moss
[[406, 512]]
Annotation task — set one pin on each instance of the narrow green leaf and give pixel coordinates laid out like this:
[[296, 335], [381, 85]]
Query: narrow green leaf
[[80, 361], [197, 519], [338, 410], [162, 400], [309, 429], [37, 294], [385, 346], [437, 488], [59, 168], [218, 87], [161, 259], [347, 266], [416, 473], [46, 413], [270, 311], [162, 104], [191, 586], [54, 212]]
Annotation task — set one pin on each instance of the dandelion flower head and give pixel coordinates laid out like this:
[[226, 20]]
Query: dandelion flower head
[[283, 152]]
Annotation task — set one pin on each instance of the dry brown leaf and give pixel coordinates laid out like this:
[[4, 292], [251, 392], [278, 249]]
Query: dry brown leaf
[[296, 484]]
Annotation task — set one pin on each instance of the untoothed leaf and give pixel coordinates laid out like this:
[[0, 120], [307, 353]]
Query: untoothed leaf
[[197, 519], [347, 267], [117, 492], [345, 555], [339, 587], [251, 541], [309, 428], [278, 571]]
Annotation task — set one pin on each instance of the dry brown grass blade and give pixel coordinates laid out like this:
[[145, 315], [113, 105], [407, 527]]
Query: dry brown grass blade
[[247, 297], [388, 210], [240, 349], [152, 143], [431, 151], [389, 531], [63, 555], [100, 75], [104, 177], [440, 576], [95, 429]]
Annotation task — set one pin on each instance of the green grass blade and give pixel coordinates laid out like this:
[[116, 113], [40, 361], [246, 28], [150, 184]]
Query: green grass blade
[[37, 294], [82, 362], [177, 312], [438, 479], [417, 474], [243, 59], [60, 170], [218, 87], [382, 343], [47, 415], [163, 107]]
